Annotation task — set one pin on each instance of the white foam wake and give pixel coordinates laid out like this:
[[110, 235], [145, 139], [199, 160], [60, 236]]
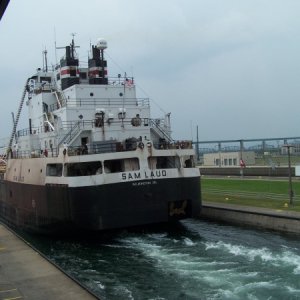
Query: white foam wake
[[284, 258]]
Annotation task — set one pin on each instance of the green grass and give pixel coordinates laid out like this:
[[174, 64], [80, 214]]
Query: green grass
[[261, 193]]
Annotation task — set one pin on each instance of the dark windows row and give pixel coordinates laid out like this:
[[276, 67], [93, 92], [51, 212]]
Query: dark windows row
[[115, 166], [93, 167]]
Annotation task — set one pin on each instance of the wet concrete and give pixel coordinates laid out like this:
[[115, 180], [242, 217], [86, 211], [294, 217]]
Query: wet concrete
[[25, 274]]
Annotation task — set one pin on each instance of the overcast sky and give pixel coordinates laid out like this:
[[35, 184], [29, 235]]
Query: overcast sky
[[232, 67]]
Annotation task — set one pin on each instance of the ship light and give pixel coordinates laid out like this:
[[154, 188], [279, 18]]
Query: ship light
[[100, 111], [122, 113]]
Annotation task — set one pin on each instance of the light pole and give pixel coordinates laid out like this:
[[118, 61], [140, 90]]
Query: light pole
[[291, 193]]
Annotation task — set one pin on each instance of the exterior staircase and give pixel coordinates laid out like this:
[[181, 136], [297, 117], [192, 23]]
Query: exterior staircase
[[17, 116], [159, 131], [71, 135]]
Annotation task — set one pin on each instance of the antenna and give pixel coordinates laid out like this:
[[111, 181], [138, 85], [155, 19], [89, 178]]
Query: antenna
[[45, 67], [71, 47], [55, 48]]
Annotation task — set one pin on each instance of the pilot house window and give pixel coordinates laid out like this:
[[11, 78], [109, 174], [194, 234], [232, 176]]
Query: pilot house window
[[83, 169], [164, 162], [121, 165], [54, 170]]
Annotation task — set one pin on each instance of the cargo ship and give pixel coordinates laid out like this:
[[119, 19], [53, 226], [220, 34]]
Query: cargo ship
[[92, 158]]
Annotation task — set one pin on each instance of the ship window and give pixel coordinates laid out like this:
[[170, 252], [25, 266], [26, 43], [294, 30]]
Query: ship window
[[47, 79], [73, 73], [189, 162], [163, 162], [99, 119], [83, 168], [121, 165], [82, 75], [54, 170]]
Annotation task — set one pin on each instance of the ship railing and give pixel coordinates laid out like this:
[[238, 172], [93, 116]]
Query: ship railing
[[164, 145], [84, 124], [37, 153], [98, 148], [34, 130], [121, 80], [44, 86], [114, 102], [90, 124], [114, 146], [97, 102]]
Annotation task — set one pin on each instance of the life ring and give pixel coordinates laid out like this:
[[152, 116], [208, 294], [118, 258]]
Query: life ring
[[141, 145]]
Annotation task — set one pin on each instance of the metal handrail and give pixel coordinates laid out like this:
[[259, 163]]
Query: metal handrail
[[156, 125]]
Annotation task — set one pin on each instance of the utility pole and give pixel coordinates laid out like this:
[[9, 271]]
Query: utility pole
[[291, 192], [197, 149]]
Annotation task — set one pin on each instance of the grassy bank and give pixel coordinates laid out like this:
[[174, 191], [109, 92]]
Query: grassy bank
[[261, 193]]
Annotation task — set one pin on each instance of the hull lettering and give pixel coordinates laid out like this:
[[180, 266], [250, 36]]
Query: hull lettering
[[128, 176]]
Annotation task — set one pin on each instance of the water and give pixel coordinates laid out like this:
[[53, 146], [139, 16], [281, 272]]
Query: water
[[196, 260]]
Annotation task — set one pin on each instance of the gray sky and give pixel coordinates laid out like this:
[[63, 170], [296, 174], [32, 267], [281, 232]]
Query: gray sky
[[231, 67]]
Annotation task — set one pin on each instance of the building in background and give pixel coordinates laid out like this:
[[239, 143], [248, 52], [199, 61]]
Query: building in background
[[229, 159]]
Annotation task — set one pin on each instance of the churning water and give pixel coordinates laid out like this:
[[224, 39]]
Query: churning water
[[196, 260]]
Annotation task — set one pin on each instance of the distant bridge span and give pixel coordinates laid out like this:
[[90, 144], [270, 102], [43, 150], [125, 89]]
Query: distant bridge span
[[285, 139], [241, 142]]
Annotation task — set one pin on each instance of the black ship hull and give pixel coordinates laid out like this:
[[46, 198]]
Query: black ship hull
[[57, 208]]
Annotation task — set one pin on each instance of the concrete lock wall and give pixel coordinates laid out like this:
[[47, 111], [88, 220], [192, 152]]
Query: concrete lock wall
[[255, 219]]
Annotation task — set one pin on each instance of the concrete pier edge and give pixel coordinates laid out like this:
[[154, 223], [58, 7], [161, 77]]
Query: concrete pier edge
[[256, 217], [76, 282]]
